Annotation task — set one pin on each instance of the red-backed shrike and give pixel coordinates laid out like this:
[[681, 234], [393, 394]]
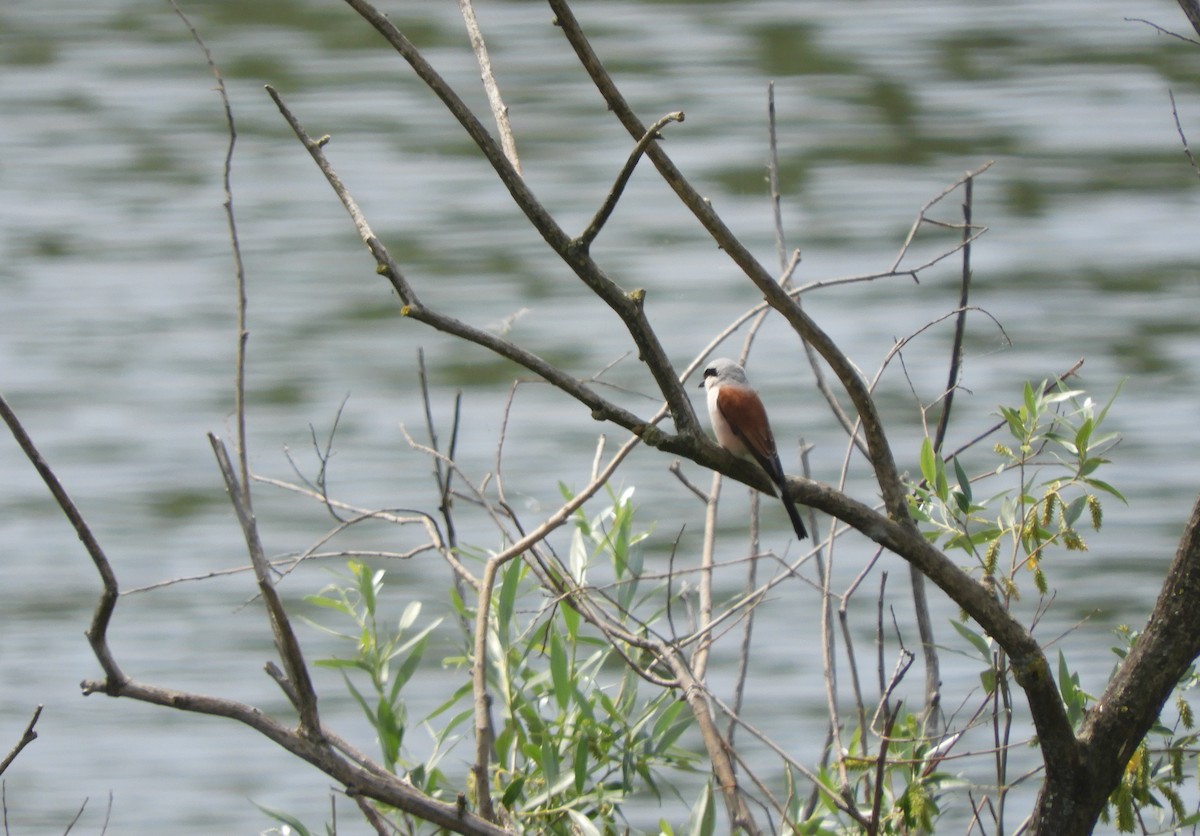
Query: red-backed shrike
[[740, 424]]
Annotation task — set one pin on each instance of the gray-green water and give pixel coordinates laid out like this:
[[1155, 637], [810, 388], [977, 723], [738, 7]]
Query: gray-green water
[[117, 322]]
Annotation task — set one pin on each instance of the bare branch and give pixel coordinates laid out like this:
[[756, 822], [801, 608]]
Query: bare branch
[[304, 694], [499, 109], [27, 737], [358, 779], [1191, 9], [97, 633], [610, 202], [1182, 138], [240, 268], [627, 305]]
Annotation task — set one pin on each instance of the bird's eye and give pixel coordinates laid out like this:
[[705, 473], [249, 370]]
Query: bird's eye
[[710, 371]]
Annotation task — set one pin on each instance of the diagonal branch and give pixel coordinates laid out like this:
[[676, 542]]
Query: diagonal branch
[[499, 109], [628, 306], [97, 633], [602, 409], [27, 737], [610, 203], [301, 690], [1191, 9], [1162, 654], [358, 778]]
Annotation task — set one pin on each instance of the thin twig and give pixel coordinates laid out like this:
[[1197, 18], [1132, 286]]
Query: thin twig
[[285, 639], [97, 633], [933, 677], [614, 194], [78, 814], [27, 737], [499, 109], [880, 766], [240, 268], [1190, 8], [1183, 138]]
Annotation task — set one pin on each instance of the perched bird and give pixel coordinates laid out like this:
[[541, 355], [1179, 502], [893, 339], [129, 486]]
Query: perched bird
[[740, 424]]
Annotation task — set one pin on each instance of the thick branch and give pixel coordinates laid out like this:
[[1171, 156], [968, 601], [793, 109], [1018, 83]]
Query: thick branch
[[1191, 8], [1131, 703], [358, 780]]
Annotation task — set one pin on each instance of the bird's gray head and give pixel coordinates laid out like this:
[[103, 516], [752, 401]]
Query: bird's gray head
[[723, 370]]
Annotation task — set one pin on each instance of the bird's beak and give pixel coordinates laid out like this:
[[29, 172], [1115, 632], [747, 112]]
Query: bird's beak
[[701, 386]]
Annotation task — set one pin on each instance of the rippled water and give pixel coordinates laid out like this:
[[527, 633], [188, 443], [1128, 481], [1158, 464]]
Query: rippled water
[[117, 324]]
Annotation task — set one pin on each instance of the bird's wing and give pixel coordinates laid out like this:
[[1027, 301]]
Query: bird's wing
[[743, 411]]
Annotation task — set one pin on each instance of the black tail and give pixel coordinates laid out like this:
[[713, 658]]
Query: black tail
[[793, 514], [775, 471]]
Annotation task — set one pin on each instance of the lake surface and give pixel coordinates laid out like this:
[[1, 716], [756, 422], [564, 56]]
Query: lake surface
[[117, 325]]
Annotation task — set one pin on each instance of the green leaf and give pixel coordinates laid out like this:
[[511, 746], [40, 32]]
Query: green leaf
[[1016, 426], [1083, 435], [964, 481], [1068, 686], [928, 462], [1071, 512], [1031, 408], [409, 616], [328, 603], [962, 503], [570, 617], [578, 556], [359, 698], [549, 761], [703, 818], [1107, 488], [390, 731], [284, 818], [670, 726], [581, 764], [462, 691], [506, 603], [368, 584], [340, 663], [408, 667], [513, 791], [1061, 395], [977, 641], [560, 674], [1104, 411]]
